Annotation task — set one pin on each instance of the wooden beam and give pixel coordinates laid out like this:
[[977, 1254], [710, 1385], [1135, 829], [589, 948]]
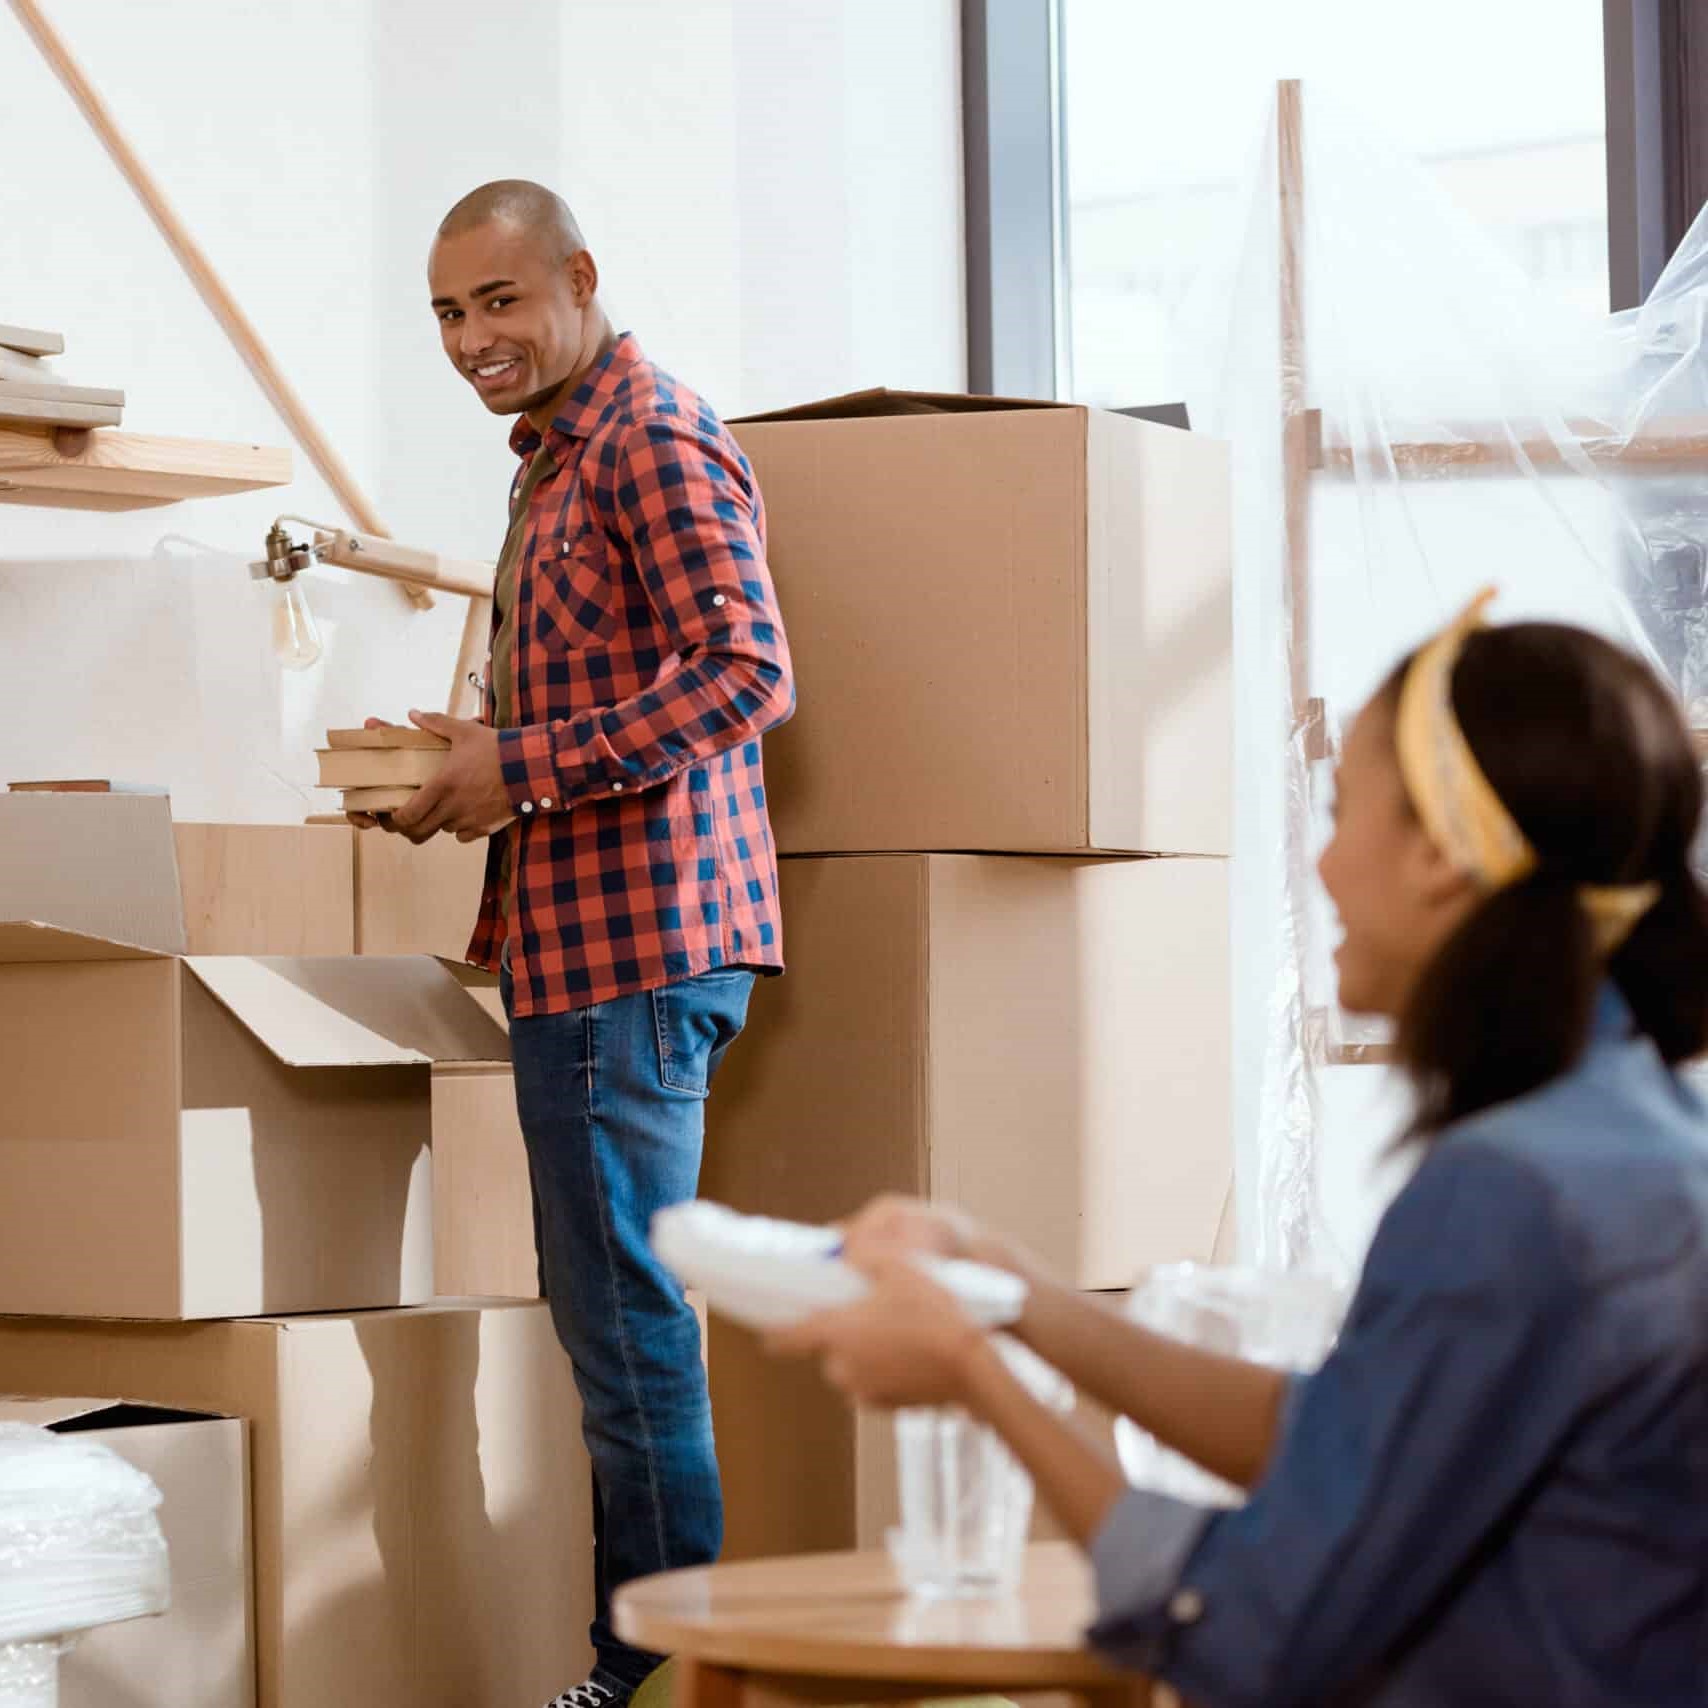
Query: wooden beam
[[375, 555], [468, 685], [235, 323], [1674, 445], [1300, 427], [130, 470]]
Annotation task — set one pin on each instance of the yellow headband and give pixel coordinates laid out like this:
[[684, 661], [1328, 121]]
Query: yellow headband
[[1457, 805]]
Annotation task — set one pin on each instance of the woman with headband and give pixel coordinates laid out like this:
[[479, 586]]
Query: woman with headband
[[1495, 1491]]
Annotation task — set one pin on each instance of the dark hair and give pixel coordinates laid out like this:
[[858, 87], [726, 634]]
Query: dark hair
[[1589, 752]]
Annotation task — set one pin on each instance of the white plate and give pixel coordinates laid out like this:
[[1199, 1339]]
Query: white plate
[[769, 1274]]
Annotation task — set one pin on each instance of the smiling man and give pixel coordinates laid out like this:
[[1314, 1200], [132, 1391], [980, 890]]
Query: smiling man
[[631, 882]]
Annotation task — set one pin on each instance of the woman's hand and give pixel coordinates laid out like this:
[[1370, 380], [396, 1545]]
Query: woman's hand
[[893, 1226], [908, 1343]]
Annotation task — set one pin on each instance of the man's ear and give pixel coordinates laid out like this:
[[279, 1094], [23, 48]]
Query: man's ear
[[583, 276]]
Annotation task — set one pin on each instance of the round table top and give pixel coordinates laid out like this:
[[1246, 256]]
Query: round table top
[[848, 1616]]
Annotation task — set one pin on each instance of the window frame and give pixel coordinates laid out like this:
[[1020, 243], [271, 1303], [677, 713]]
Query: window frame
[[1018, 239]]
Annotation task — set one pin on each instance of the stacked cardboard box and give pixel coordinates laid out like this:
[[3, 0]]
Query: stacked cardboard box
[[216, 1204], [1011, 626]]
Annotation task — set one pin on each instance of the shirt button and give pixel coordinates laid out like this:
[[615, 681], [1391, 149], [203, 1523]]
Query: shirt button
[[563, 548], [546, 801], [616, 788], [1186, 1607], [527, 806], [719, 599]]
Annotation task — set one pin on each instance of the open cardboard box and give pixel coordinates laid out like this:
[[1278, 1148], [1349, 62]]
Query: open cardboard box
[[200, 1653], [422, 1501], [202, 1136]]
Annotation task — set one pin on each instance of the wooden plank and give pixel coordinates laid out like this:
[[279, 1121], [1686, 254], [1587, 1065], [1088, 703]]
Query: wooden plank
[[13, 387], [56, 412], [34, 499], [468, 685], [131, 469], [33, 370], [1673, 445], [375, 554], [31, 343]]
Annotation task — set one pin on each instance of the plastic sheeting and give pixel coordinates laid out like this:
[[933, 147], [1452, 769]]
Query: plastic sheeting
[[1472, 431], [29, 1674], [79, 1541]]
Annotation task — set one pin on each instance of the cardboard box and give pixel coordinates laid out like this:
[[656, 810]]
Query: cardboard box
[[1043, 1041], [202, 1136], [422, 1523], [483, 1206], [267, 889], [803, 1472], [201, 1652], [417, 901], [1011, 626]]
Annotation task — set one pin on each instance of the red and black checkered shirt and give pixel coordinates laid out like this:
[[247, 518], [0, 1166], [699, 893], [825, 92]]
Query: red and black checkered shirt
[[649, 659]]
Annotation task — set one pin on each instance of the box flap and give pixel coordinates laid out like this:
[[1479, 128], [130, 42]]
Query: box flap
[[880, 400], [353, 1010], [101, 865], [31, 940], [70, 1416], [44, 1414]]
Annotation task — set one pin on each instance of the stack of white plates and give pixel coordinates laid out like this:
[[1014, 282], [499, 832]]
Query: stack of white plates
[[768, 1274]]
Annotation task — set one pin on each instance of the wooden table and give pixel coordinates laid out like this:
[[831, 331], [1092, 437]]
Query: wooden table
[[839, 1628]]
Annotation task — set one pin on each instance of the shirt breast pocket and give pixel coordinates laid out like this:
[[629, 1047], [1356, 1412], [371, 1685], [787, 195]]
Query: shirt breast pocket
[[575, 592]]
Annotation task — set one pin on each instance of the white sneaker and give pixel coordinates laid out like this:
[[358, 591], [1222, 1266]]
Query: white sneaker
[[591, 1694]]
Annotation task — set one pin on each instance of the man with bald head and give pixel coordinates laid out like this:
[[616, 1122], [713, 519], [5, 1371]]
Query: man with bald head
[[631, 882]]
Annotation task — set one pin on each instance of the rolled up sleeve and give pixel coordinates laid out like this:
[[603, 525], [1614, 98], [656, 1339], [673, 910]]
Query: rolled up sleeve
[[1453, 1383], [688, 513]]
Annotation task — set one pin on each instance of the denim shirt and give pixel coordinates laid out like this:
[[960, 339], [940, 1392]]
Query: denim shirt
[[1495, 1491]]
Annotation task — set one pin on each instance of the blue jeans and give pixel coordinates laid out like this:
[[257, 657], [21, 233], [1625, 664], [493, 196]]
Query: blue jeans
[[612, 1107]]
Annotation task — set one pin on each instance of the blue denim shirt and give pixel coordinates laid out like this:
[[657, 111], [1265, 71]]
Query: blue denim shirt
[[1496, 1489]]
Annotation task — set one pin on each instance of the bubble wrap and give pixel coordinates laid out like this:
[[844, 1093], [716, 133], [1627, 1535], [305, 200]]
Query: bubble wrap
[[79, 1541]]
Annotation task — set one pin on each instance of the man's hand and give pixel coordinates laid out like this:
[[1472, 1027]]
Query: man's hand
[[467, 797]]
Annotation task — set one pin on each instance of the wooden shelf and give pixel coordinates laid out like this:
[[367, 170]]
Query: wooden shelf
[[106, 469], [1671, 446]]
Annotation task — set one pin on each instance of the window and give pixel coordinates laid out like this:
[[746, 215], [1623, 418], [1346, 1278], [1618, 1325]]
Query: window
[[1162, 107]]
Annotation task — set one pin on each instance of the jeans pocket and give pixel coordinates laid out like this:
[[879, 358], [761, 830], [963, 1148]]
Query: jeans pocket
[[695, 1022]]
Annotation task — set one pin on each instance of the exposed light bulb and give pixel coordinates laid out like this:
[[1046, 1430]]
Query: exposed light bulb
[[296, 635]]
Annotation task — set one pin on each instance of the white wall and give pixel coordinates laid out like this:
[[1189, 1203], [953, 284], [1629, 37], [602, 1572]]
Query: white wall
[[772, 188]]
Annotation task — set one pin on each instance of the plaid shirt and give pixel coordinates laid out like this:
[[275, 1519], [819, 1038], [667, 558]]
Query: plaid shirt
[[649, 659]]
